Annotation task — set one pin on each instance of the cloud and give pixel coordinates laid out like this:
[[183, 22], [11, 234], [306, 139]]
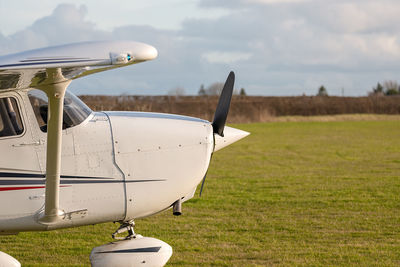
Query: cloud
[[275, 47], [225, 57], [274, 1], [65, 25], [244, 3]]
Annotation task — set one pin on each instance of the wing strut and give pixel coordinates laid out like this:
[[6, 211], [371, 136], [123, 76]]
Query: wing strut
[[55, 89]]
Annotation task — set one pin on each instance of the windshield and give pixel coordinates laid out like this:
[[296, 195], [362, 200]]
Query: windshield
[[75, 111]]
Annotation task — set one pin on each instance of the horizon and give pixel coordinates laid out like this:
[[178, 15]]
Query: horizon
[[276, 48]]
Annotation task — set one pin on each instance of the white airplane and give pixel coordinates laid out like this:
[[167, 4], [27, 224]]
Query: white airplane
[[63, 165]]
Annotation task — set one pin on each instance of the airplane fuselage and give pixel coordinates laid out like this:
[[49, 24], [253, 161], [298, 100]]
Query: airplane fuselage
[[63, 165], [116, 166]]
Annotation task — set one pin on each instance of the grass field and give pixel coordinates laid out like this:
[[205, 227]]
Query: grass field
[[292, 193]]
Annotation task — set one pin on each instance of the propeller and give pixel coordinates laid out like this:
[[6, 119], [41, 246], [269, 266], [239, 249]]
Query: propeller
[[224, 102], [221, 113]]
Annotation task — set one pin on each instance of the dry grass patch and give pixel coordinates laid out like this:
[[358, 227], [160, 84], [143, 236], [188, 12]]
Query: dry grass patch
[[342, 117]]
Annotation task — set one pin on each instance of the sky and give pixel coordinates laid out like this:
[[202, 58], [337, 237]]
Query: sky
[[275, 47]]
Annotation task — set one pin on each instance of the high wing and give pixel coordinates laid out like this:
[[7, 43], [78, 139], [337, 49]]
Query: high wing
[[29, 69], [51, 70]]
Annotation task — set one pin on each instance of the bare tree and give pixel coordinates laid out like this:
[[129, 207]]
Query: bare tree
[[177, 91], [392, 87], [215, 88]]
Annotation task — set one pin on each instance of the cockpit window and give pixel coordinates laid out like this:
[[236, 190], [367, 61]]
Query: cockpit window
[[10, 119], [75, 111]]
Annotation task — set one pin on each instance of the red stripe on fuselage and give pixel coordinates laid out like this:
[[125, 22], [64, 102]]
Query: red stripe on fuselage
[[20, 188]]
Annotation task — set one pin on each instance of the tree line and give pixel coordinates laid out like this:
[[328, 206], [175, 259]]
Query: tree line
[[387, 88], [213, 89]]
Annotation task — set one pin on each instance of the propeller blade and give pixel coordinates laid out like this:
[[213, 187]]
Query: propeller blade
[[221, 113]]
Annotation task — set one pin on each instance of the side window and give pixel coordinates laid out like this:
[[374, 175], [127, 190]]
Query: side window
[[75, 111], [10, 118], [38, 101]]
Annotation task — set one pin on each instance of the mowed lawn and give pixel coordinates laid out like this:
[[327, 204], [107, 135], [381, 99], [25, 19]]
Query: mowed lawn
[[292, 193]]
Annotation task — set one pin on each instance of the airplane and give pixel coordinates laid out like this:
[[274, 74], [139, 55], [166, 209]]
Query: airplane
[[63, 165]]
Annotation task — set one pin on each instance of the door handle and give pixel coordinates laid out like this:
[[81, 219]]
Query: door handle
[[37, 143]]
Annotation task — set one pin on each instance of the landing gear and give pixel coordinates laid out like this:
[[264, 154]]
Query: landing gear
[[132, 250], [125, 227]]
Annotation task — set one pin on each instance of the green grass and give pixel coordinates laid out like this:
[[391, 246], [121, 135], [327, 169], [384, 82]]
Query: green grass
[[292, 193]]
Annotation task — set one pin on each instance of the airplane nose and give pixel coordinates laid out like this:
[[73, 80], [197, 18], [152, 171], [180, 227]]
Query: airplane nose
[[231, 135], [147, 52]]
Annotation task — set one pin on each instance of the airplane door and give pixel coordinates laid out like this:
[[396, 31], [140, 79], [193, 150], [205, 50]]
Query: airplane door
[[20, 173], [17, 141]]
